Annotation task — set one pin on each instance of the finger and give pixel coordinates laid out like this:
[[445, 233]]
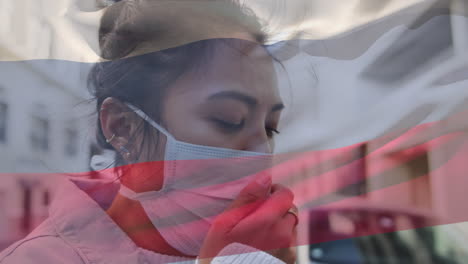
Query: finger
[[248, 200], [283, 234], [290, 221], [273, 209], [287, 227], [293, 213], [278, 204], [294, 240], [256, 190]]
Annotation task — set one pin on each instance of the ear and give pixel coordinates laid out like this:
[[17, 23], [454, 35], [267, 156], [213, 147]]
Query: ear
[[119, 126]]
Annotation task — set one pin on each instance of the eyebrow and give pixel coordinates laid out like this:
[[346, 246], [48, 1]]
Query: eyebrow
[[246, 99]]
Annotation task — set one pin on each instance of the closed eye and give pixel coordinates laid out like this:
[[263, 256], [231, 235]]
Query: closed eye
[[229, 126], [271, 132]]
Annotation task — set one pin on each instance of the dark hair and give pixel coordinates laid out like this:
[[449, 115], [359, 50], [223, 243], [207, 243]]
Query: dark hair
[[138, 76]]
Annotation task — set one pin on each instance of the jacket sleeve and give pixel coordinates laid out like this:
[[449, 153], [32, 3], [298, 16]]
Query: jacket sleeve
[[41, 249], [237, 253]]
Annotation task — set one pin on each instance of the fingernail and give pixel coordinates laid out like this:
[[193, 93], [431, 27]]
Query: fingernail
[[264, 180]]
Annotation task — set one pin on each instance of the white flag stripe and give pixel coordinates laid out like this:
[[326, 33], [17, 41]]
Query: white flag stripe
[[70, 26]]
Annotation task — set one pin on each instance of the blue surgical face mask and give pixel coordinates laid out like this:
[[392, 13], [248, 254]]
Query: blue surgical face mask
[[199, 183]]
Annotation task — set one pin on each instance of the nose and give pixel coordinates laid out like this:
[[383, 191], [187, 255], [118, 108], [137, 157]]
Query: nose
[[259, 142], [262, 148]]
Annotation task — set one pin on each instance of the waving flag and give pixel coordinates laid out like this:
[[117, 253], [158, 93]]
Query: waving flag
[[373, 135]]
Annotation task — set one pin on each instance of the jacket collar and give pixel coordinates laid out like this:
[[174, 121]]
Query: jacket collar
[[78, 213]]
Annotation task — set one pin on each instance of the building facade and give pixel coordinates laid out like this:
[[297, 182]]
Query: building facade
[[44, 121]]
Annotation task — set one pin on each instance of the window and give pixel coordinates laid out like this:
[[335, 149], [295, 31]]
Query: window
[[71, 142], [40, 133], [26, 222], [46, 198], [19, 23], [6, 11], [3, 121], [356, 176], [105, 3]]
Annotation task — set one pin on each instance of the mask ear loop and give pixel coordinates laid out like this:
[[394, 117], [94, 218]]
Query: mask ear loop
[[150, 121], [132, 195], [145, 117]]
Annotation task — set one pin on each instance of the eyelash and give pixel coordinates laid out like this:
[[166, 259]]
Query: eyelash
[[271, 132], [236, 127], [229, 126]]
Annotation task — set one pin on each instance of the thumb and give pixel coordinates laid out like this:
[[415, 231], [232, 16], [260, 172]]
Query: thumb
[[250, 198]]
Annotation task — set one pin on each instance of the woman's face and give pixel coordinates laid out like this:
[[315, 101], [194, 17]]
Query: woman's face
[[233, 102]]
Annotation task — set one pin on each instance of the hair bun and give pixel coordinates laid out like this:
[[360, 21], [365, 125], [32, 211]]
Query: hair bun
[[134, 27]]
